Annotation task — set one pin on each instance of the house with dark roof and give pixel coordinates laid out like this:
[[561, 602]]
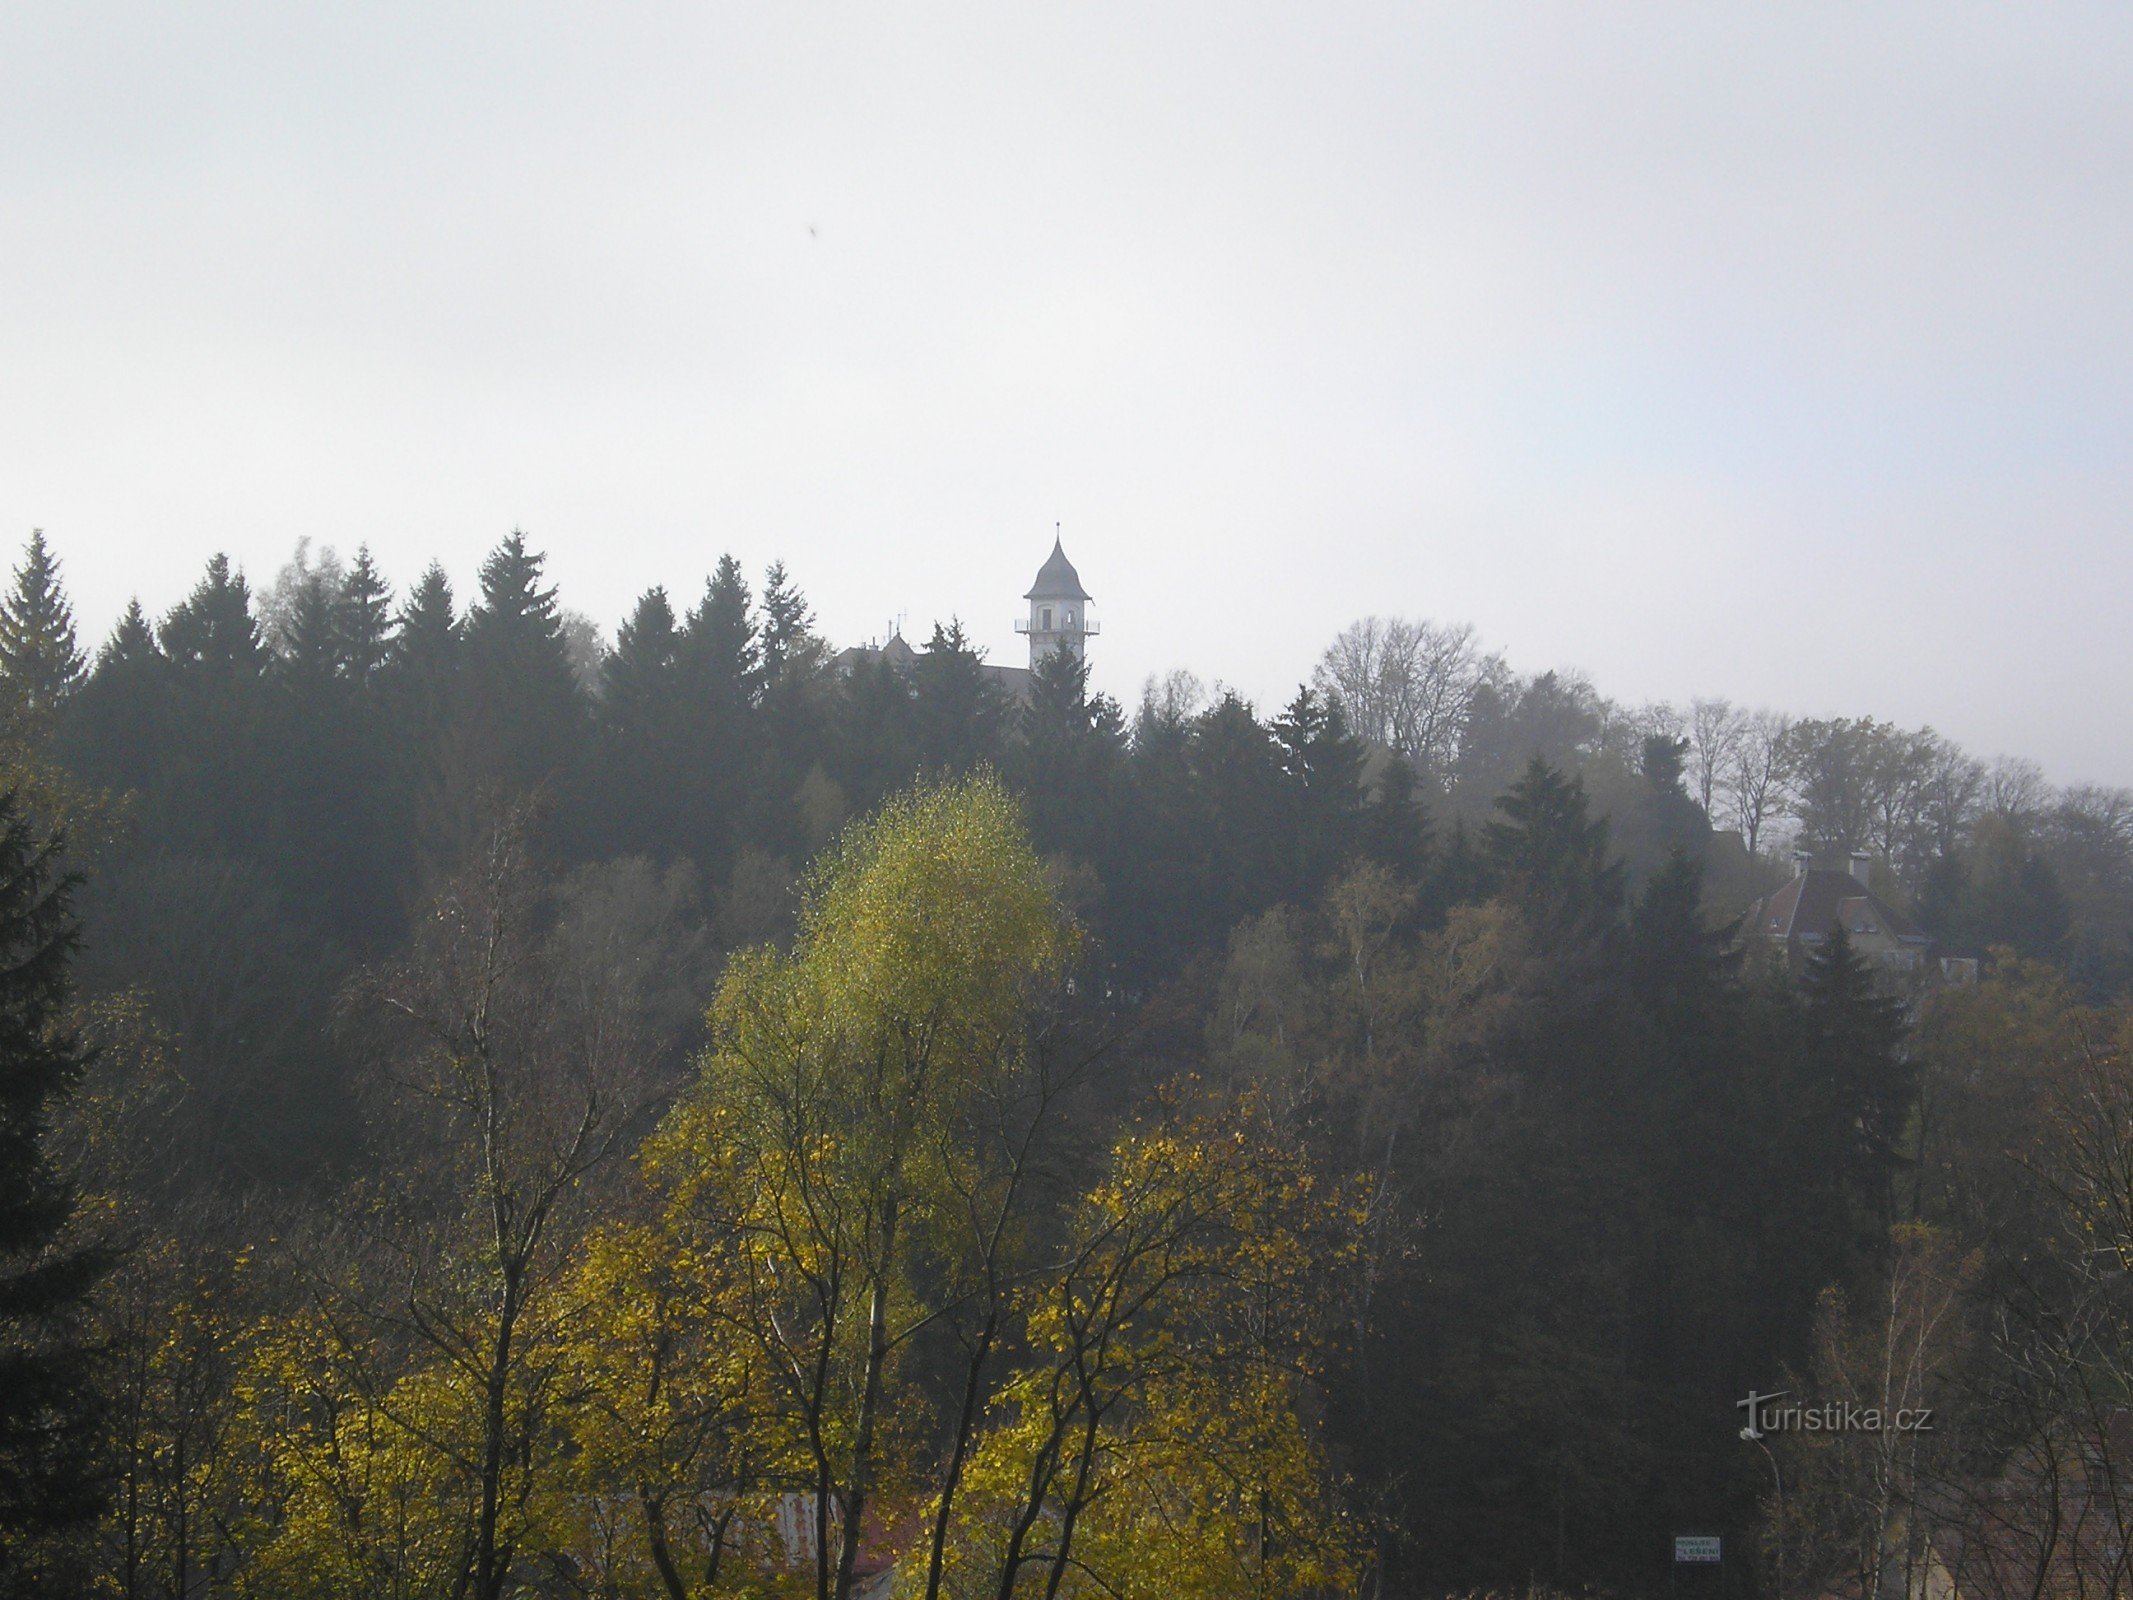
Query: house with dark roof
[[1801, 916]]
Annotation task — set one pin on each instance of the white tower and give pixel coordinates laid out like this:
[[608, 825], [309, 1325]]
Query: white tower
[[1058, 610]]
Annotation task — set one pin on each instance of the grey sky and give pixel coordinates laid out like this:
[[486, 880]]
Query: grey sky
[[1778, 352]]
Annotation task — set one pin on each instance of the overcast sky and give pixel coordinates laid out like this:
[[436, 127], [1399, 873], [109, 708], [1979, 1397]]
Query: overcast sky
[[1784, 353]]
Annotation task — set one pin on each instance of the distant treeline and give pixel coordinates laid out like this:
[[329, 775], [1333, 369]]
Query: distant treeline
[[334, 737]]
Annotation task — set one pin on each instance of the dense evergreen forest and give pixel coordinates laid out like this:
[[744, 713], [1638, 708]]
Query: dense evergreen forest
[[486, 1112]]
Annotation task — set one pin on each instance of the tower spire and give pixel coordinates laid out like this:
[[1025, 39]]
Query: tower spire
[[1058, 607]]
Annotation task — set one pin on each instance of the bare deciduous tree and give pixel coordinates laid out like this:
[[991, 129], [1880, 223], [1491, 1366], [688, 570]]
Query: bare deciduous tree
[[1408, 684], [1861, 1496], [2015, 789], [1755, 777], [505, 1078], [1716, 728], [1953, 783]]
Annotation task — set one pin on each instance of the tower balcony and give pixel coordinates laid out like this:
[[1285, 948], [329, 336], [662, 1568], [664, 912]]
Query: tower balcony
[[1024, 625]]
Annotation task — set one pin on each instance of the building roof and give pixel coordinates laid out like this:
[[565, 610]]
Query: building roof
[[1057, 579], [898, 655], [1810, 906]]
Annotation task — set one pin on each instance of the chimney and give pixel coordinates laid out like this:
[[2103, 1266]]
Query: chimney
[[1862, 867], [1800, 862]]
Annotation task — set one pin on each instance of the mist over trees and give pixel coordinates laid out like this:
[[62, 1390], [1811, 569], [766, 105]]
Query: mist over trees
[[694, 1115]]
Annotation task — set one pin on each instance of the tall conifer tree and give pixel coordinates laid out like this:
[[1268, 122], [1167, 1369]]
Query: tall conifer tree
[[40, 657], [786, 632], [112, 731], [961, 712], [718, 649], [365, 619], [213, 791], [313, 656], [637, 782], [1396, 830], [1068, 758], [526, 710], [48, 1479], [640, 676], [213, 633], [422, 662], [1859, 1085], [1551, 854], [1324, 767]]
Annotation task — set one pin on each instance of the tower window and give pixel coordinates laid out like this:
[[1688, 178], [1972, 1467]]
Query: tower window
[[1047, 619]]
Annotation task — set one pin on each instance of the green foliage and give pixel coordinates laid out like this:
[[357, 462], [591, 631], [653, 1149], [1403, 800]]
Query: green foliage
[[1070, 759], [41, 662], [213, 637], [49, 1475], [1858, 1080], [786, 641], [1152, 1444], [720, 652], [638, 679], [526, 716], [821, 1144], [1551, 855], [1324, 766], [363, 620], [1502, 1163], [2000, 891], [959, 715]]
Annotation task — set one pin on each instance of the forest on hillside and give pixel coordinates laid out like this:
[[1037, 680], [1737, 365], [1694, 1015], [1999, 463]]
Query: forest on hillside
[[492, 1112]]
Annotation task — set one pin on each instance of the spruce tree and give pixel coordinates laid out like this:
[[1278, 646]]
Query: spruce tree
[[639, 677], [1058, 706], [718, 649], [1324, 768], [961, 711], [213, 787], [326, 829], [717, 752], [40, 659], [795, 703], [1233, 818], [637, 783], [1684, 1034], [1396, 830], [1678, 966], [365, 619], [313, 646], [213, 633], [420, 689], [1671, 818], [132, 644], [47, 1426], [526, 710], [1067, 759], [516, 618], [1551, 854], [423, 660], [786, 632], [111, 733], [873, 740], [1460, 873], [1859, 1084]]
